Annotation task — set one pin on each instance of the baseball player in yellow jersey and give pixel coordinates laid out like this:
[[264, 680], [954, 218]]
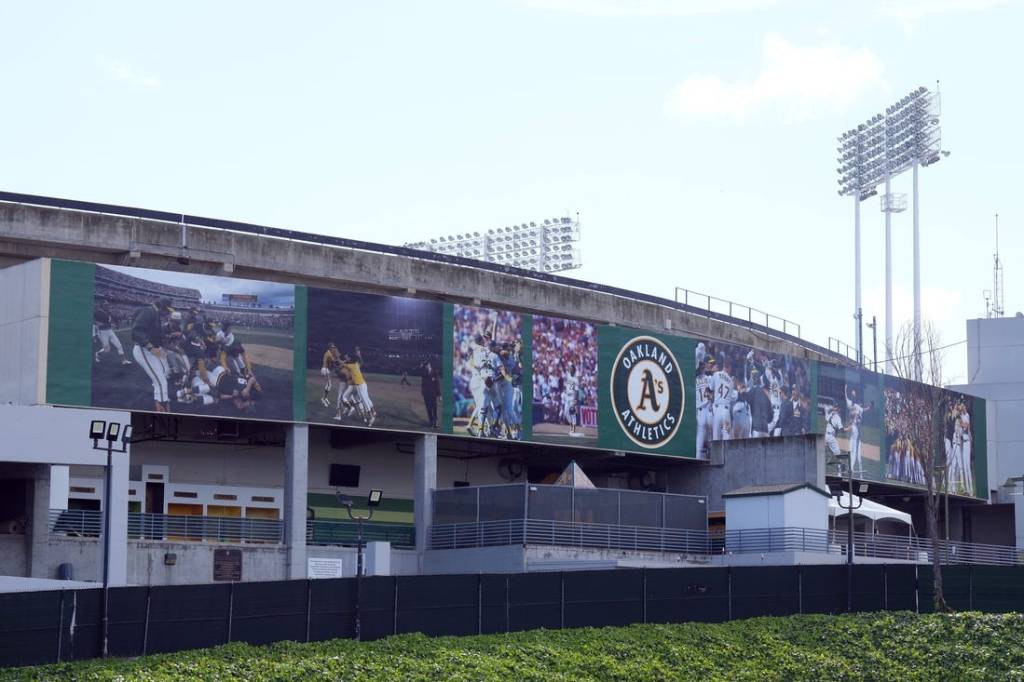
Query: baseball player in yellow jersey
[[358, 394], [328, 367]]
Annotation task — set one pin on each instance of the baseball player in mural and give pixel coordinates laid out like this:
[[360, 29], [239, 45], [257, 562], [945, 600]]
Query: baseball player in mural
[[103, 330], [964, 480], [328, 368], [773, 379], [705, 398], [481, 378], [833, 425], [357, 394], [741, 423], [855, 413], [570, 398], [147, 335], [511, 395], [723, 387]]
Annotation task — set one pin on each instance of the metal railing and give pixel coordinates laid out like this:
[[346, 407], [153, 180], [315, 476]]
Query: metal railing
[[343, 533], [294, 235], [840, 347], [752, 541], [161, 527], [699, 303], [567, 534], [564, 503]]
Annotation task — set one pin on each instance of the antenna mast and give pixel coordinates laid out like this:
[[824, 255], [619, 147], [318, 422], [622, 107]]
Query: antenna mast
[[996, 309]]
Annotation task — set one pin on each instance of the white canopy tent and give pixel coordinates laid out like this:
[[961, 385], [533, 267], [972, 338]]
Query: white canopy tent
[[873, 511]]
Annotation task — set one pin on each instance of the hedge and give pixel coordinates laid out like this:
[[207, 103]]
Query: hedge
[[877, 646]]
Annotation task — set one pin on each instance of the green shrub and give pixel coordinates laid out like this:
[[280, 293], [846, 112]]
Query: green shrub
[[878, 646]]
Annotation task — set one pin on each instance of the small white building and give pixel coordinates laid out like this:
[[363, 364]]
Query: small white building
[[780, 505]]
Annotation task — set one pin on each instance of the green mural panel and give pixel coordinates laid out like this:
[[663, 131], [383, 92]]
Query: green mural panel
[[69, 358], [646, 401]]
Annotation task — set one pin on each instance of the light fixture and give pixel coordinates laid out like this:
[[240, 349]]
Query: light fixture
[[113, 431], [374, 498], [97, 428]]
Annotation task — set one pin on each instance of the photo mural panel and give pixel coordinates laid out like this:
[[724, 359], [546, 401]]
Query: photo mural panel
[[848, 412], [192, 344], [920, 419], [742, 392], [488, 373], [645, 399], [565, 381], [373, 360]]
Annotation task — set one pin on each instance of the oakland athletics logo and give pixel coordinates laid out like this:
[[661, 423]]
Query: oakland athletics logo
[[647, 392]]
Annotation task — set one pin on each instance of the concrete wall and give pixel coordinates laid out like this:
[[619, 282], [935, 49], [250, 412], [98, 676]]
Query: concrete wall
[[796, 459], [32, 232], [52, 435], [193, 561], [13, 560], [24, 317]]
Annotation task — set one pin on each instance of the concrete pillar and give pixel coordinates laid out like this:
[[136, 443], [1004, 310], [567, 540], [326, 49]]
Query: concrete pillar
[[60, 485], [117, 547], [37, 530], [296, 488], [378, 558], [424, 482]]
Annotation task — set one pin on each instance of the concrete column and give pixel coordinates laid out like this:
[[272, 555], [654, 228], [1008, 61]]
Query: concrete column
[[37, 530], [296, 488], [117, 547], [424, 482]]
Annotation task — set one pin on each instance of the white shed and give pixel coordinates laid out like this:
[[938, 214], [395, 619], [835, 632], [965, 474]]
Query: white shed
[[781, 505]]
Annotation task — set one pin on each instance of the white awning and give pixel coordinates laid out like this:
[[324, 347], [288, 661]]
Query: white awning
[[868, 509]]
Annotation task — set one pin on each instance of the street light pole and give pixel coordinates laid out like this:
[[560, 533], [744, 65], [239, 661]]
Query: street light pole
[[111, 433], [107, 483], [849, 507], [373, 500]]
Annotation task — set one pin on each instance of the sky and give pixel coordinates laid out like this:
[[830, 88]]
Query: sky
[[696, 140]]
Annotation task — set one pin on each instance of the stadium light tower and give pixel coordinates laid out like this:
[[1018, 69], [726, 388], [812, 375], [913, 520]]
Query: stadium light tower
[[906, 136], [547, 246]]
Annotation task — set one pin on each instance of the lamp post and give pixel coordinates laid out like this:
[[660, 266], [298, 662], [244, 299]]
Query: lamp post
[[111, 433], [849, 507], [873, 325], [372, 501]]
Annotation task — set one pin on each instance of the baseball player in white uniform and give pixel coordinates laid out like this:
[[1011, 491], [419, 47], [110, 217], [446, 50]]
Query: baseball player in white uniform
[[480, 372], [965, 449], [855, 413], [833, 425], [724, 389], [773, 379], [570, 390], [705, 397]]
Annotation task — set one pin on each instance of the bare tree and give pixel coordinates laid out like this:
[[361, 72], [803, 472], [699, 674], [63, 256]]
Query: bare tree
[[917, 412]]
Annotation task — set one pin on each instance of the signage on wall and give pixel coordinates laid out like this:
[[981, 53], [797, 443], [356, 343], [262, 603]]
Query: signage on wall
[[227, 565]]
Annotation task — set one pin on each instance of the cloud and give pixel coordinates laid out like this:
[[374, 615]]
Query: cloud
[[121, 71], [618, 8], [800, 81]]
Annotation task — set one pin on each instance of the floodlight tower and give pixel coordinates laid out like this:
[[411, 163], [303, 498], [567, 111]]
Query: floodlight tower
[[545, 246], [905, 137]]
